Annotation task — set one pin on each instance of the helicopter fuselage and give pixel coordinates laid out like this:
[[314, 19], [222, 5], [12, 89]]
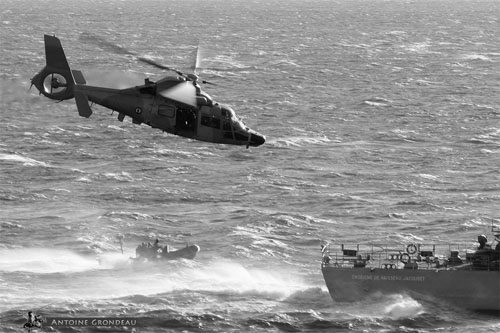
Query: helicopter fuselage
[[208, 121], [175, 105]]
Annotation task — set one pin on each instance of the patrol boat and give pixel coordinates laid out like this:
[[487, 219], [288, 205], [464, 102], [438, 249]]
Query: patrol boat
[[453, 273]]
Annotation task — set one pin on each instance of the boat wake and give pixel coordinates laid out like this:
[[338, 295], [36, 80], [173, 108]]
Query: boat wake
[[43, 260], [62, 274]]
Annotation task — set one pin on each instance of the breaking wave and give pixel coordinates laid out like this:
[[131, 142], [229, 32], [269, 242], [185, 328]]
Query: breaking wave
[[26, 161]]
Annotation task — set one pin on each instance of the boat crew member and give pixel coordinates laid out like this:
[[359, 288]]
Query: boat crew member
[[482, 242], [139, 251], [157, 247]]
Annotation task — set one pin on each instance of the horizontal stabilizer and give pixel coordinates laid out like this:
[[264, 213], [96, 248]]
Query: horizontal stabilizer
[[78, 77], [82, 104]]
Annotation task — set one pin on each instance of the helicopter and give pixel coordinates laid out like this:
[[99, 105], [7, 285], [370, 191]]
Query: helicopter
[[174, 104]]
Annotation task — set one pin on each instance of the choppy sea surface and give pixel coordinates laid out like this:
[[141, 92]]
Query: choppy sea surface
[[382, 121]]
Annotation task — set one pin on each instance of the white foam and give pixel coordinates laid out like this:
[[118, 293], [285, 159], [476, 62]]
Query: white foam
[[42, 260], [394, 306], [399, 306], [114, 275], [21, 159], [476, 56], [299, 141], [234, 277]]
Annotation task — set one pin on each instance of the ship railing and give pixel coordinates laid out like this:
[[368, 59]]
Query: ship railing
[[410, 256]]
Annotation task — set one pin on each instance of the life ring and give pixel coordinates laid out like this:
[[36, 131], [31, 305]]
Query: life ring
[[405, 258], [138, 110], [411, 249]]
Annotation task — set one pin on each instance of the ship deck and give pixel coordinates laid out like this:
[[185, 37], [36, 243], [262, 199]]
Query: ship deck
[[410, 256], [454, 273]]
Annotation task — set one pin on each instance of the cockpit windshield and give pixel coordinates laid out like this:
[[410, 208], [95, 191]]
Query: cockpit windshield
[[227, 112], [238, 125]]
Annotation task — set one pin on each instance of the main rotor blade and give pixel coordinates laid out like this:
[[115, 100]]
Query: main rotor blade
[[197, 60], [184, 92], [208, 82], [198, 64], [105, 44], [158, 65], [117, 49]]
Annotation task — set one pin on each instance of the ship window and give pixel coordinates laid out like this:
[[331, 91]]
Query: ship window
[[426, 253], [350, 253], [210, 121], [166, 110]]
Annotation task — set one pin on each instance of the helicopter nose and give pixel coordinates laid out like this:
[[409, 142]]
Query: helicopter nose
[[256, 139]]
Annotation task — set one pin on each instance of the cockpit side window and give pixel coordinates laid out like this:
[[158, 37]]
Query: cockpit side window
[[209, 121], [226, 126], [166, 110], [228, 130]]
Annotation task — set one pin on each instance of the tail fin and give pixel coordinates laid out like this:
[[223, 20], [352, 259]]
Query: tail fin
[[55, 80], [54, 53]]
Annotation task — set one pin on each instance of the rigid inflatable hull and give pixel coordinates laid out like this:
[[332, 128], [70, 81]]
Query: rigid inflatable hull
[[189, 252]]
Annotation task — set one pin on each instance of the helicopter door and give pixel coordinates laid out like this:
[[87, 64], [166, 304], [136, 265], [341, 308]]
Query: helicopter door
[[185, 121], [163, 116], [209, 126]]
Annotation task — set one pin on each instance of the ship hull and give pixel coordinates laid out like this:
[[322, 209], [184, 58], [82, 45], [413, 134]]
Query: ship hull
[[475, 290]]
